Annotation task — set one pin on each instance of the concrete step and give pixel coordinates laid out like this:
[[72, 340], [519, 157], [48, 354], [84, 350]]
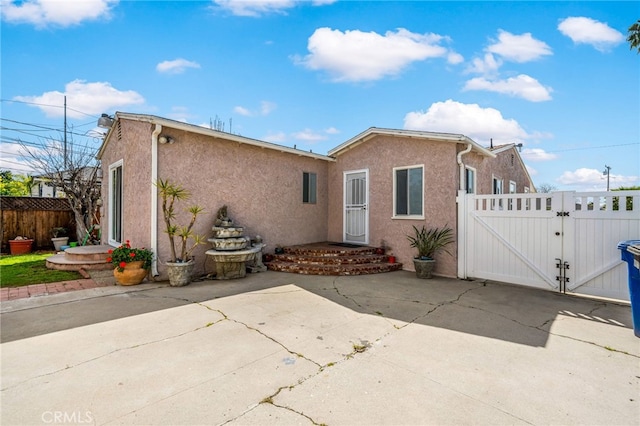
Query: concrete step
[[328, 258], [338, 269], [93, 258]]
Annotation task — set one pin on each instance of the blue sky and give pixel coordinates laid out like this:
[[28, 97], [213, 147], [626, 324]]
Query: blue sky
[[558, 77]]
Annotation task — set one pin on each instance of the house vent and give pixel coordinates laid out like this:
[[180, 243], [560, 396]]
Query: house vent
[[119, 131]]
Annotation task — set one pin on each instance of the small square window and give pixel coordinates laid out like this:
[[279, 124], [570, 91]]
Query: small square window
[[309, 188]]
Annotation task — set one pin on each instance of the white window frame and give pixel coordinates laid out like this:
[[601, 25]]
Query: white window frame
[[512, 190], [497, 183], [115, 215], [312, 189], [407, 216], [466, 180]]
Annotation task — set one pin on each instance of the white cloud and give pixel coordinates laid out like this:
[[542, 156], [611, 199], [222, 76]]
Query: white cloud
[[277, 137], [255, 8], [83, 98], [266, 108], [43, 13], [537, 154], [309, 136], [180, 113], [455, 58], [242, 111], [519, 48], [332, 131], [589, 31], [366, 56], [177, 66], [488, 65], [480, 124], [593, 179], [521, 86]]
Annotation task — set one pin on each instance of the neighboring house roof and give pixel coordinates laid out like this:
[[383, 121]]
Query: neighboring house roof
[[506, 147], [34, 203], [192, 128], [502, 148], [444, 137]]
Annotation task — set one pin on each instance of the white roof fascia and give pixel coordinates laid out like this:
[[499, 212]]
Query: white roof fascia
[[193, 128], [444, 137]]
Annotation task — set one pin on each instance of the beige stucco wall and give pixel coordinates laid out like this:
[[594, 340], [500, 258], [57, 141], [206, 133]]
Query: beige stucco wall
[[134, 149], [380, 155], [262, 188]]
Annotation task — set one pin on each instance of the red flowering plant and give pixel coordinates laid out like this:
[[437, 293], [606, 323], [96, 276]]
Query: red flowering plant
[[125, 254]]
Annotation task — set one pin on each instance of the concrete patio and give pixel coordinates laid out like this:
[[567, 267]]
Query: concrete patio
[[277, 348]]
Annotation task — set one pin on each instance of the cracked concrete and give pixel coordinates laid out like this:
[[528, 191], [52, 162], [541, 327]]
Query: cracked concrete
[[278, 348]]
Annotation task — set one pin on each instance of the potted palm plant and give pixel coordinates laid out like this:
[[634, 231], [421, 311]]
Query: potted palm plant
[[429, 242], [180, 265]]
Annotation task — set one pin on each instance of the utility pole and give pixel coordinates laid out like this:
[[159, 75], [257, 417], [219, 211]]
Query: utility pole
[[65, 133], [607, 172]]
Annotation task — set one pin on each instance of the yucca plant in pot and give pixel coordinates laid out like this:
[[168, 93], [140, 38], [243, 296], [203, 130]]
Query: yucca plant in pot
[[429, 242], [180, 265]]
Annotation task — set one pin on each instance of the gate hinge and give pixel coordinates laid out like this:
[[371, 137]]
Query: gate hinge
[[562, 213], [562, 278]]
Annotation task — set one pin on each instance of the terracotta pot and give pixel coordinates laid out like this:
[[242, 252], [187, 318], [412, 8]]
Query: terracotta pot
[[133, 274], [20, 246]]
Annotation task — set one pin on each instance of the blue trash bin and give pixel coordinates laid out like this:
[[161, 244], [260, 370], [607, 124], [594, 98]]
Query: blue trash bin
[[630, 253]]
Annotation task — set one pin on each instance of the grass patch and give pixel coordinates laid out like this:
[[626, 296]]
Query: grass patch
[[27, 269]]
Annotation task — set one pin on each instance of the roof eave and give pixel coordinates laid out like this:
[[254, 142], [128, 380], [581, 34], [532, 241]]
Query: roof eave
[[192, 128], [373, 131]]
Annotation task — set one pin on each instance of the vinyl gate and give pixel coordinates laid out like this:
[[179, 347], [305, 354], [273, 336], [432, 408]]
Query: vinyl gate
[[563, 241]]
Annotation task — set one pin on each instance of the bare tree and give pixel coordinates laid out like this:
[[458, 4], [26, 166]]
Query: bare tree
[[545, 188], [77, 174]]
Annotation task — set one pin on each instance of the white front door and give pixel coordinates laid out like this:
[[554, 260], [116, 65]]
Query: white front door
[[356, 213]]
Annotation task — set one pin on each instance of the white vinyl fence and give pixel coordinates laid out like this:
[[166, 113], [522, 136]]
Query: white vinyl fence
[[564, 241]]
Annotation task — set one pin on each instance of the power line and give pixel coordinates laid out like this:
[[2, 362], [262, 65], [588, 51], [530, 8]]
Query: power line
[[48, 105], [582, 149], [44, 128]]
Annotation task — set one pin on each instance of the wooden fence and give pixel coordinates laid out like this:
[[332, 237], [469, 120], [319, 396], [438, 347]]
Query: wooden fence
[[34, 217]]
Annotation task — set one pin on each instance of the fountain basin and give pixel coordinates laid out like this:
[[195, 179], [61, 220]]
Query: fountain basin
[[229, 244], [221, 232], [232, 264]]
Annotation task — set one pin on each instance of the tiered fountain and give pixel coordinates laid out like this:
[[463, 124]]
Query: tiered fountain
[[232, 252]]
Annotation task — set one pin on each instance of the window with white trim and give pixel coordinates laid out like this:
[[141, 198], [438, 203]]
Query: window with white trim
[[512, 190], [309, 188], [496, 185], [408, 190], [470, 180], [115, 203]]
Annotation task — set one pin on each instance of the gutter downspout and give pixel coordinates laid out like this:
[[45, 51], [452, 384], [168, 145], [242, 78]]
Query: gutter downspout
[[462, 218], [461, 165], [154, 198]]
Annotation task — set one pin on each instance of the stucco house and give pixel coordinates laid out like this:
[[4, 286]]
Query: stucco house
[[369, 190]]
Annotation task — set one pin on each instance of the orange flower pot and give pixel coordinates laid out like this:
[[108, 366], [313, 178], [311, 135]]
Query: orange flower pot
[[20, 246], [132, 274]]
